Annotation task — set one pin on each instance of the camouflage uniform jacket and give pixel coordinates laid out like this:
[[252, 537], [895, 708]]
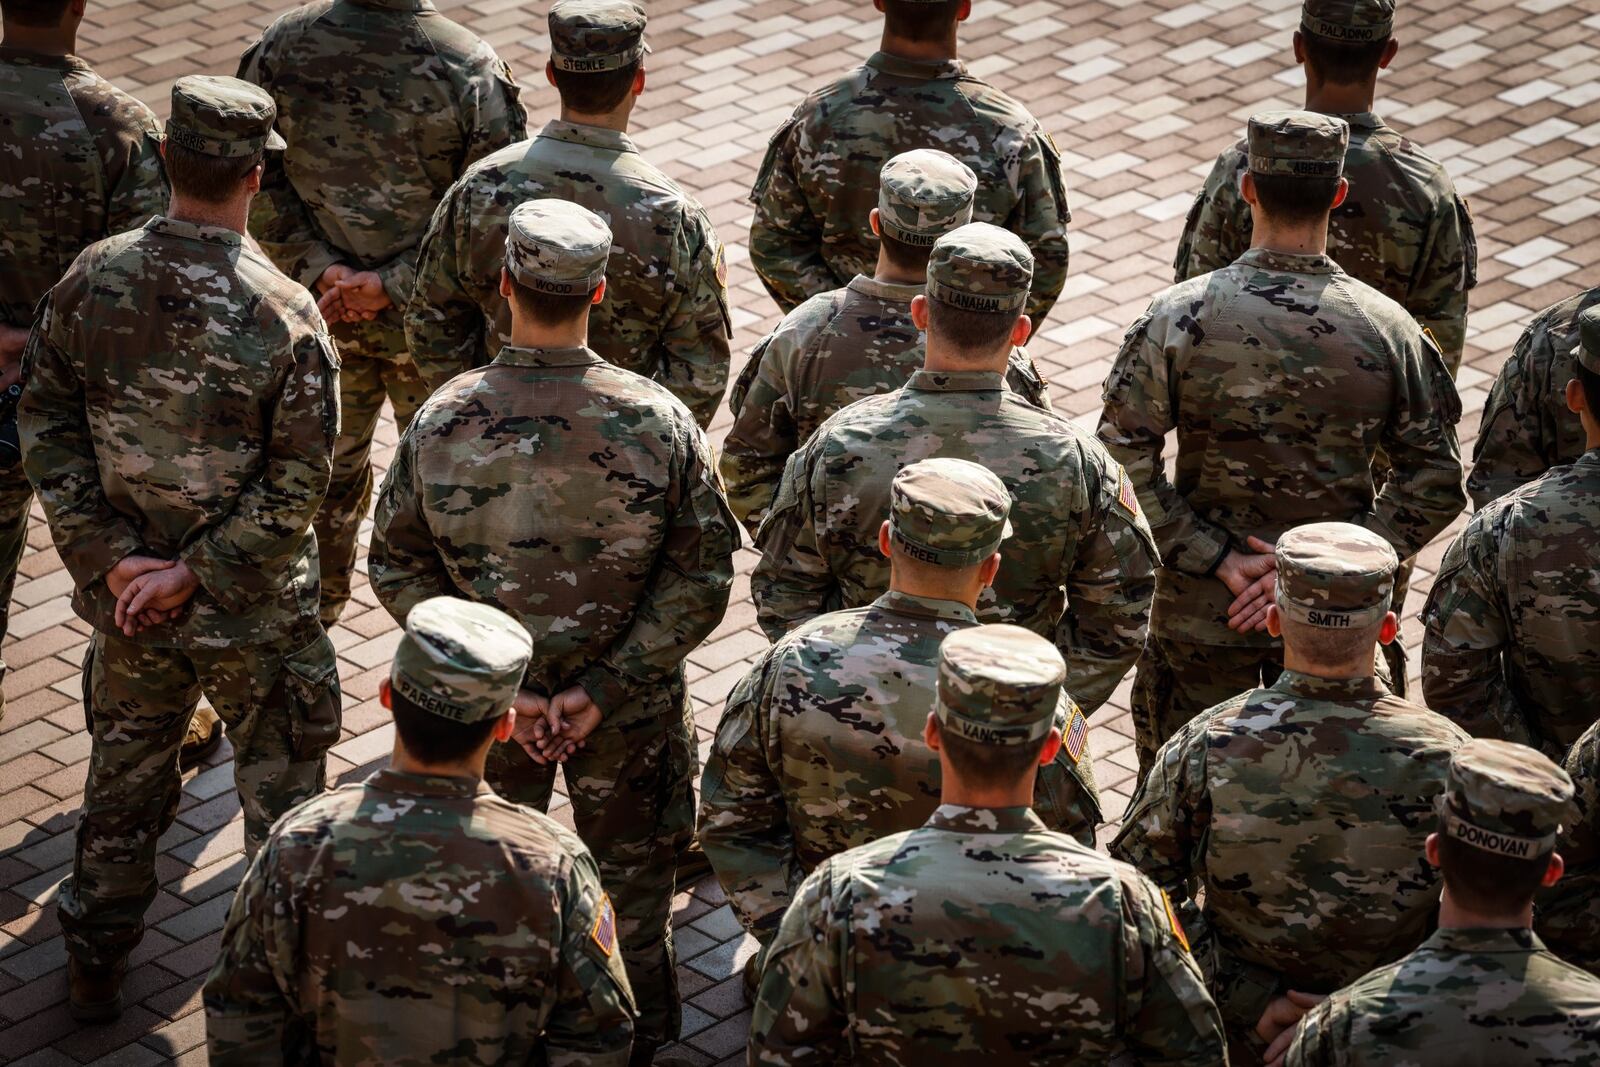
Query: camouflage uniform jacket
[[665, 312], [831, 351], [1402, 229], [820, 750], [576, 496], [214, 446], [1465, 998], [981, 934], [384, 103], [819, 182], [1512, 646], [1301, 810], [413, 920], [1283, 377], [1526, 427], [1568, 913], [83, 165], [1078, 568]]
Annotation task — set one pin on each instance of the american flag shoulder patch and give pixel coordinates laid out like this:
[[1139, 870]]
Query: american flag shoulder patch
[[604, 933], [1077, 734], [1126, 496], [1172, 921]]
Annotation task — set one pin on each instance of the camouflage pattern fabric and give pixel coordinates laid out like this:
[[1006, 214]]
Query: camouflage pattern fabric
[[829, 352], [980, 934], [665, 313], [1251, 805], [820, 749], [1568, 914], [831, 151], [1077, 570], [1402, 229], [581, 499], [280, 701], [320, 956], [354, 82], [1465, 996], [1512, 645], [1526, 427]]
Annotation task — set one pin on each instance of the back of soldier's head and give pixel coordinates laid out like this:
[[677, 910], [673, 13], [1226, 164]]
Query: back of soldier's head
[[922, 195], [1296, 162], [978, 280], [1335, 582], [947, 517], [1499, 818], [1345, 40], [39, 14], [556, 256], [217, 134], [1589, 360], [999, 689], [922, 20], [596, 49]]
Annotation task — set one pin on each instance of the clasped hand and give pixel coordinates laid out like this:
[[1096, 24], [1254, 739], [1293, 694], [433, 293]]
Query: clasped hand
[[551, 729], [350, 295], [1251, 577], [149, 591]]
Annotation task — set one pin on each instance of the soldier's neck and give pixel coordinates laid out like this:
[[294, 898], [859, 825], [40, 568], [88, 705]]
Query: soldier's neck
[[234, 214], [616, 121], [890, 274], [45, 40], [940, 51], [527, 334], [1328, 99], [940, 357], [1294, 661], [404, 762], [901, 581], [953, 790], [1452, 916], [1309, 240]]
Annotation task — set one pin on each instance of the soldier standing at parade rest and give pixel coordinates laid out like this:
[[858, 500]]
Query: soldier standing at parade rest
[[383, 104], [1284, 378], [1568, 914], [982, 933], [912, 93], [416, 917], [1082, 557], [1482, 989], [180, 489], [854, 342], [1299, 810], [582, 499], [665, 314]]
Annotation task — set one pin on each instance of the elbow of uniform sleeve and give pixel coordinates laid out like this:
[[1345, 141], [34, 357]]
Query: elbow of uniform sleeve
[[317, 260], [219, 573], [398, 276], [90, 559]]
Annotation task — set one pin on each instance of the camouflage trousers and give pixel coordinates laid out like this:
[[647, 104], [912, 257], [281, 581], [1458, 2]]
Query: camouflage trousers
[[633, 805], [1177, 680], [15, 497], [280, 701], [370, 371]]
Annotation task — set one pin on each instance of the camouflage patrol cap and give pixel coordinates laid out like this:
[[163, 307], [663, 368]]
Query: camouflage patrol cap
[[1297, 144], [556, 246], [1348, 20], [1505, 798], [460, 660], [998, 684], [225, 117], [979, 267], [948, 512], [594, 36], [1589, 340], [1334, 575], [924, 193]]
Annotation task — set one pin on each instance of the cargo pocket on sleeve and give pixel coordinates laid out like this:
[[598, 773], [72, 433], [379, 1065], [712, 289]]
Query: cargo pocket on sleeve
[[311, 685]]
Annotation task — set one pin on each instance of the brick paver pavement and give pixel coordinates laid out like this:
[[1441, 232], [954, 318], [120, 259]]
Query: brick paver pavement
[[1139, 96]]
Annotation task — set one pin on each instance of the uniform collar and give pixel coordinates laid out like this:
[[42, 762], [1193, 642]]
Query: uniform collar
[[194, 231], [1362, 120], [956, 381], [592, 136], [1591, 458], [965, 820], [25, 58], [395, 5], [1314, 688], [517, 356], [924, 69], [924, 607], [1516, 940], [1289, 262], [427, 785], [898, 292]]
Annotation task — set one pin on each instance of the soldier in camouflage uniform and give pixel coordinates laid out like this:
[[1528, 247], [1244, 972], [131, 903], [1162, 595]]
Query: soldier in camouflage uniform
[[417, 918], [665, 315], [1568, 915], [1284, 378], [1299, 810], [983, 933], [180, 487], [1482, 989], [581, 498], [384, 103], [1526, 427], [1512, 645], [817, 185], [854, 342], [1081, 562], [821, 749]]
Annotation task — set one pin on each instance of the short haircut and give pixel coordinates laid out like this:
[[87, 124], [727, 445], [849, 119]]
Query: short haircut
[[433, 738], [1487, 882], [548, 309], [1329, 648], [907, 258], [920, 22], [975, 332], [41, 13], [1591, 391], [212, 179], [1342, 62], [1295, 200], [923, 574], [595, 93], [989, 766]]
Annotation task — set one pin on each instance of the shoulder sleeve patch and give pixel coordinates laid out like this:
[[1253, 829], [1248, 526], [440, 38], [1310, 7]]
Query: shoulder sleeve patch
[[1077, 734], [722, 268], [1125, 494], [1172, 921], [604, 933]]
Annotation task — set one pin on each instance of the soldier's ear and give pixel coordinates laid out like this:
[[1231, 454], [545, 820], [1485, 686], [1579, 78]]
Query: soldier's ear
[[599, 293], [1390, 629], [1051, 746], [639, 80], [1274, 621], [919, 311], [1389, 52], [506, 725], [385, 693], [872, 220], [930, 731], [1299, 45], [989, 569], [1553, 873], [1430, 849], [1576, 402], [505, 283], [883, 537], [1340, 193], [964, 12], [1247, 188], [550, 72], [1021, 330]]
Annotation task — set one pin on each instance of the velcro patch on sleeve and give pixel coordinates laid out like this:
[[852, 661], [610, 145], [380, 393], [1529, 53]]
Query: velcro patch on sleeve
[[1126, 496], [1172, 921], [604, 933], [1077, 734]]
